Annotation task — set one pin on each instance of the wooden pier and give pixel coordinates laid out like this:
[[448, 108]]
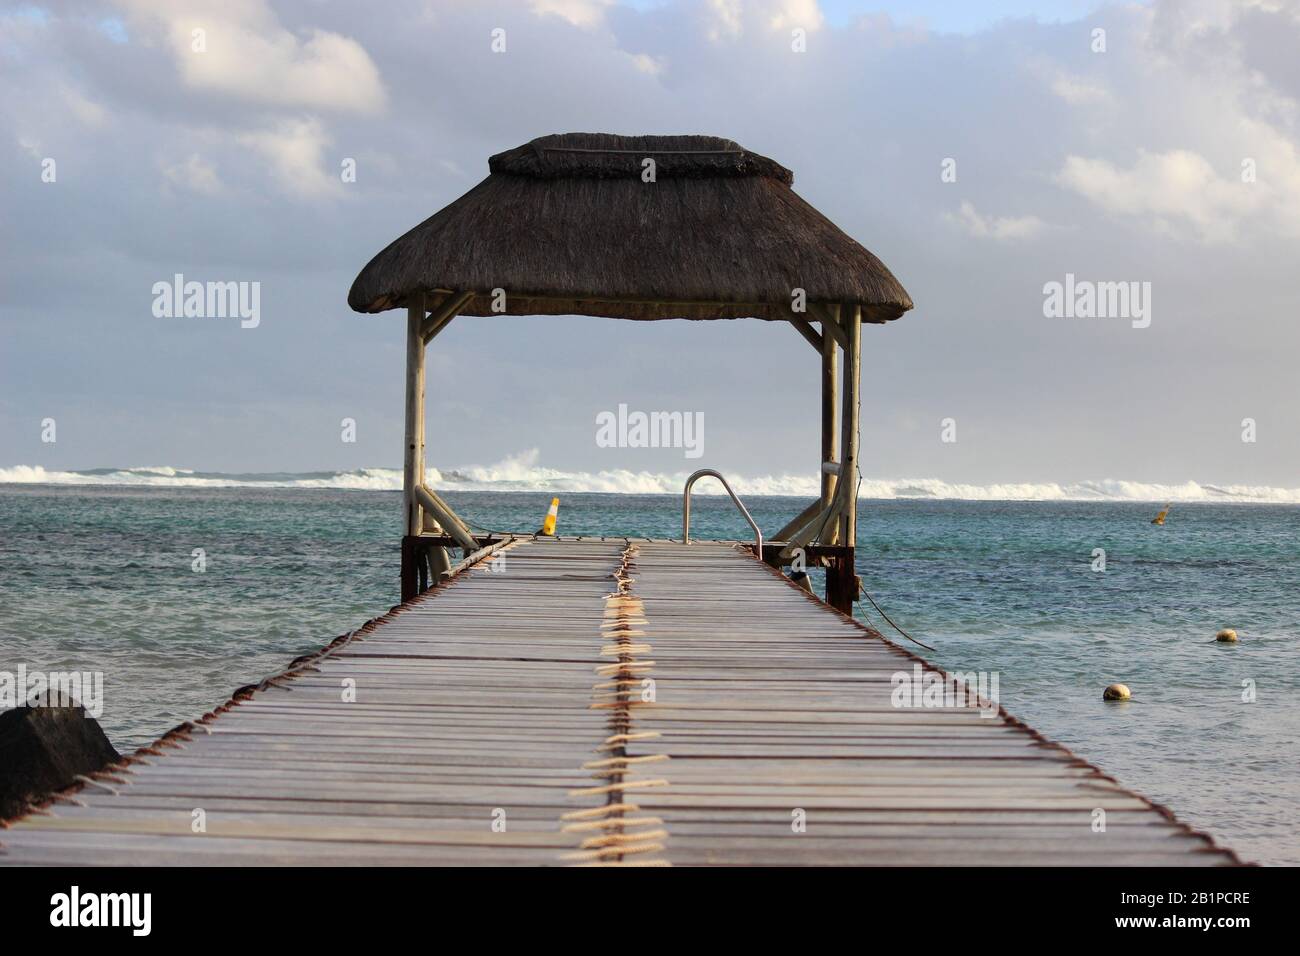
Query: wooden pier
[[602, 701]]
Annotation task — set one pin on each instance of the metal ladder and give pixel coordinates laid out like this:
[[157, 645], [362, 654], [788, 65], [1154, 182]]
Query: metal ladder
[[686, 508]]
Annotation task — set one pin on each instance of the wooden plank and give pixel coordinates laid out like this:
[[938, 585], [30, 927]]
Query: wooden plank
[[491, 694]]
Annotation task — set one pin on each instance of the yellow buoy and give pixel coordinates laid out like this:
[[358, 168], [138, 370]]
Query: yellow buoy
[[1226, 636], [1116, 692], [548, 525]]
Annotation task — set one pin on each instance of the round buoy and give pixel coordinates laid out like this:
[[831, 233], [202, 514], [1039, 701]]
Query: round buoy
[[1226, 636], [1116, 692]]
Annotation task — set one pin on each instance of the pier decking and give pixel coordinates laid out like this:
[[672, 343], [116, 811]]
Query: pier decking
[[571, 701]]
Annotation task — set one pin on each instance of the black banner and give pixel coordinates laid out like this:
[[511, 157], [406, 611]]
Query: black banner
[[335, 906]]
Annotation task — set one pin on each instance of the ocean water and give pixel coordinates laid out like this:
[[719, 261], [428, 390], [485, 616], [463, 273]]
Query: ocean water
[[100, 578]]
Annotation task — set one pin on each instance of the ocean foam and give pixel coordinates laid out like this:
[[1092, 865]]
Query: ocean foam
[[523, 473]]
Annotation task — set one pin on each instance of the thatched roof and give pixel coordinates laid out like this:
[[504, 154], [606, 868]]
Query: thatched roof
[[566, 225]]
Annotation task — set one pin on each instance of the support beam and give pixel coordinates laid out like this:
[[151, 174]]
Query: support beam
[[413, 456], [830, 422], [828, 316], [841, 581], [798, 522], [815, 526], [820, 521], [445, 311], [804, 328], [447, 518], [411, 560], [418, 558], [851, 321]]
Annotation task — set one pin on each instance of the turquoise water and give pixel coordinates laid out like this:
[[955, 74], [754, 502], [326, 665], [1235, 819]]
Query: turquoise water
[[101, 579]]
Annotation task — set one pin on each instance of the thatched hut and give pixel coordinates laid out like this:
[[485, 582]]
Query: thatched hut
[[639, 227]]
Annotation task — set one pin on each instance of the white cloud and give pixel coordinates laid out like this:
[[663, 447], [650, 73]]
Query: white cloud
[[1171, 191], [247, 54], [993, 227], [1078, 91], [31, 146], [726, 16], [294, 149], [84, 109], [648, 64], [581, 13], [787, 14], [729, 18], [194, 173]]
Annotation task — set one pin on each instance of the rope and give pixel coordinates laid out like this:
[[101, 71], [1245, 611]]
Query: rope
[[892, 624], [856, 492]]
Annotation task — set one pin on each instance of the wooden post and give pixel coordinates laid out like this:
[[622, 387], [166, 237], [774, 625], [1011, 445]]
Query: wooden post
[[413, 458], [830, 411], [413, 452], [851, 318], [841, 576], [410, 566]]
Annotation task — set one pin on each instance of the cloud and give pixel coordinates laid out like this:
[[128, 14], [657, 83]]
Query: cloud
[[1202, 145], [1174, 192], [194, 173], [239, 49], [1078, 91], [294, 149], [729, 19], [726, 19], [1122, 165], [648, 64], [84, 109], [997, 228], [788, 14], [581, 13]]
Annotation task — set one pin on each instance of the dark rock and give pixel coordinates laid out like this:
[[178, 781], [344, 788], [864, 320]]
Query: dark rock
[[42, 749]]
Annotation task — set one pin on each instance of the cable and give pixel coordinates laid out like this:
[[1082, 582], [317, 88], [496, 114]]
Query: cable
[[892, 624], [856, 492]]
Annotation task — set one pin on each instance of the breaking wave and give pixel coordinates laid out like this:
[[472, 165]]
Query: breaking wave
[[523, 473]]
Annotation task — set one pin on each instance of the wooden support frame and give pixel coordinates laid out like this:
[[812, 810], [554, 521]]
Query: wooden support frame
[[828, 526], [797, 523], [829, 318], [423, 562], [830, 418], [804, 328], [447, 519], [440, 317], [851, 322], [413, 457], [825, 530]]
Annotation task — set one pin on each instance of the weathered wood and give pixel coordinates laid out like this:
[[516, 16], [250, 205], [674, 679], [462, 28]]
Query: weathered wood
[[494, 694], [797, 522], [851, 320], [827, 316], [413, 455], [443, 313], [447, 519], [811, 335], [830, 426]]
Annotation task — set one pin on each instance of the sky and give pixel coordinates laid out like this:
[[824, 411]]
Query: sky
[[982, 150]]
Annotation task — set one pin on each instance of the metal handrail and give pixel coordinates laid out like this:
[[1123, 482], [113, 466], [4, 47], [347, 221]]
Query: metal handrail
[[686, 508]]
